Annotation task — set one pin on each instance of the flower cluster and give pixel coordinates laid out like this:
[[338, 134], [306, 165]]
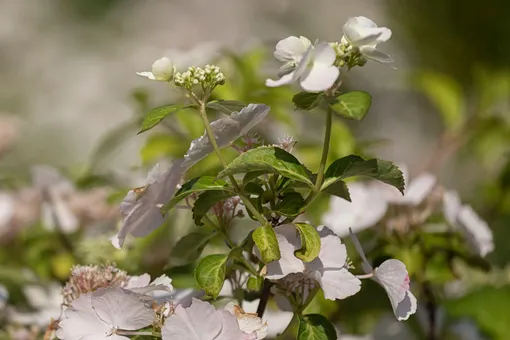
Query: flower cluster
[[208, 77], [317, 66]]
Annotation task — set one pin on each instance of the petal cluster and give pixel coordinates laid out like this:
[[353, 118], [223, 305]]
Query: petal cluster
[[364, 34]]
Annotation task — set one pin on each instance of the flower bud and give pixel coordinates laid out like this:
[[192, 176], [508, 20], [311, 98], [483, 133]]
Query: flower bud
[[163, 69]]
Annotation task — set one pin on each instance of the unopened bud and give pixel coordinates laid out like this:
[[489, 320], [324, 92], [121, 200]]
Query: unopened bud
[[163, 69]]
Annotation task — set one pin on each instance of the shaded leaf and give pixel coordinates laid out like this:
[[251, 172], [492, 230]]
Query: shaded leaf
[[339, 189], [210, 273], [315, 327], [291, 205], [156, 115], [190, 247], [307, 100], [353, 105], [310, 242], [269, 160], [205, 202], [265, 239]]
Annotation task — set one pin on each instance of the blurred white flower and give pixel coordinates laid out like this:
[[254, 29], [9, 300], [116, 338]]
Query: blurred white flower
[[366, 208], [463, 217], [249, 323], [313, 66], [201, 321], [364, 34], [392, 275], [329, 269], [141, 207], [55, 189], [6, 211], [103, 314], [163, 69]]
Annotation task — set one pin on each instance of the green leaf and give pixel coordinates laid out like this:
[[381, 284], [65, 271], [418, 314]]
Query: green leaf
[[353, 105], [269, 159], [488, 307], [353, 165], [155, 116], [310, 242], [308, 100], [339, 189], [252, 175], [446, 94], [197, 184], [292, 204], [226, 106], [253, 188], [205, 202], [254, 284], [189, 247], [210, 273], [315, 327], [265, 239]]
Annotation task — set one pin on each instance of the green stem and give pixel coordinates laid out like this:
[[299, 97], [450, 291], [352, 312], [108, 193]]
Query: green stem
[[216, 148], [325, 150]]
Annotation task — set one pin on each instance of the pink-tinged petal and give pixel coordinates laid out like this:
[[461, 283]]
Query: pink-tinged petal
[[319, 78], [324, 54], [200, 321], [290, 49], [376, 55], [284, 80], [337, 283], [121, 308], [288, 241]]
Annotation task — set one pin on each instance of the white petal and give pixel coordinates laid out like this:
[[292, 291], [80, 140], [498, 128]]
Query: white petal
[[324, 54], [128, 203], [451, 207], [333, 253], [406, 307], [226, 130], [229, 327], [65, 218], [419, 188], [374, 54], [291, 49], [6, 210], [138, 281], [477, 230], [319, 78], [303, 64], [200, 321], [146, 75], [284, 80], [338, 283], [288, 263], [393, 277], [361, 31], [121, 308]]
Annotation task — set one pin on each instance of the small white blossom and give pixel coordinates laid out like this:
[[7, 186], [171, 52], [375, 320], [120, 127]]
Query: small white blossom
[[6, 211], [364, 34], [313, 66], [392, 275], [329, 269], [163, 69], [249, 323], [141, 207], [201, 321], [463, 217], [103, 314], [366, 208]]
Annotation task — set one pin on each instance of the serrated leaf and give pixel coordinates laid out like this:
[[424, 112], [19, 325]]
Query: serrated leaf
[[226, 106], [307, 100], [353, 105], [315, 327], [310, 242], [267, 243], [156, 115], [189, 247], [210, 273], [269, 160], [291, 205], [205, 202], [374, 168], [197, 184], [339, 189]]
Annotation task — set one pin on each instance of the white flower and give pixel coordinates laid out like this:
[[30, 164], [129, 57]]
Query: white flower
[[366, 208], [142, 210], [392, 275], [201, 321], [463, 217], [55, 209], [163, 69], [278, 319], [6, 211], [313, 66], [364, 34], [249, 323], [328, 269], [103, 314]]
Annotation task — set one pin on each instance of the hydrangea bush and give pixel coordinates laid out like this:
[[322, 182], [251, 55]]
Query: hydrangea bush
[[283, 257]]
